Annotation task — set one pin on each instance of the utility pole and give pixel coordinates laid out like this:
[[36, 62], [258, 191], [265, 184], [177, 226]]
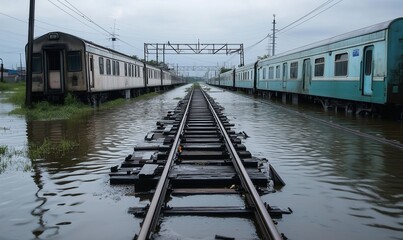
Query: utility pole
[[20, 73], [1, 70], [274, 35], [28, 100], [114, 35]]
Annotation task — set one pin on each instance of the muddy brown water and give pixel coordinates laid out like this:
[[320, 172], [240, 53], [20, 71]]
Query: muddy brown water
[[340, 185]]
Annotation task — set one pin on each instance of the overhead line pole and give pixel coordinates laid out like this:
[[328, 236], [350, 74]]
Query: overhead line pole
[[28, 90], [1, 69], [274, 34]]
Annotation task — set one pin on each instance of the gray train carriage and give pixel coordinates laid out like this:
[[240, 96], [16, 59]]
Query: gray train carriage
[[65, 63], [359, 71]]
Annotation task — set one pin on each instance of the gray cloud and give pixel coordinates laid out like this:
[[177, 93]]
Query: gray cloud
[[230, 21]]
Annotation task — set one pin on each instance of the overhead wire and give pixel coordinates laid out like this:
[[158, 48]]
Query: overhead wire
[[309, 13], [74, 10], [295, 23], [283, 29], [81, 14], [72, 15]]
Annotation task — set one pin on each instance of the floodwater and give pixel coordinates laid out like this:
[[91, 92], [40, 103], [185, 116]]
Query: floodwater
[[339, 184]]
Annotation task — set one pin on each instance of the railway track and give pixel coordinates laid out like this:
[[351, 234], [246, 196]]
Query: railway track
[[200, 155]]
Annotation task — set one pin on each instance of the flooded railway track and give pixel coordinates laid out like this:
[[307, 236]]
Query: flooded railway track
[[198, 155]]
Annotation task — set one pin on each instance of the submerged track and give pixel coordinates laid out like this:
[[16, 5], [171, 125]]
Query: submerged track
[[204, 157], [198, 119]]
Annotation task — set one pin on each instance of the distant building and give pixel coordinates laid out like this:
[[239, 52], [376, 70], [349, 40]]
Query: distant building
[[12, 75]]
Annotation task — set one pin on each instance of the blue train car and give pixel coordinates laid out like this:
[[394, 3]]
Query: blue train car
[[227, 79], [245, 76], [359, 70]]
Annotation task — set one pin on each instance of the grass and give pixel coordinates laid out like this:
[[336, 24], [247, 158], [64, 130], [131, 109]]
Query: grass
[[11, 86], [15, 92], [49, 111], [11, 158], [49, 148]]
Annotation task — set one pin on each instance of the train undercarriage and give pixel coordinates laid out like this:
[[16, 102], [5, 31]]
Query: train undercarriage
[[348, 107]]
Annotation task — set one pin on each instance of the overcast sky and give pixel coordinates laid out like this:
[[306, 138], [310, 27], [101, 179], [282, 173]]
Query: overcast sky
[[189, 21]]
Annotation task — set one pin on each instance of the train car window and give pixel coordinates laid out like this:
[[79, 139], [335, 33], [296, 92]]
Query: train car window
[[271, 72], [113, 68], [294, 70], [278, 71], [126, 69], [37, 63], [117, 68], [368, 62], [319, 67], [341, 64], [101, 65], [74, 61], [108, 66]]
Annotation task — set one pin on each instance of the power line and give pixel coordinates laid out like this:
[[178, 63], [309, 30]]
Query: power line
[[283, 31], [20, 20], [298, 20], [81, 14], [71, 15], [78, 12]]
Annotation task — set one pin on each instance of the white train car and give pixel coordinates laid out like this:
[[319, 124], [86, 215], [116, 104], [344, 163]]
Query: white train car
[[63, 63]]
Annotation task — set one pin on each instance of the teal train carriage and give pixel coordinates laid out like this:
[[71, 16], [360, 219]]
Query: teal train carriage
[[360, 71], [227, 79], [245, 76]]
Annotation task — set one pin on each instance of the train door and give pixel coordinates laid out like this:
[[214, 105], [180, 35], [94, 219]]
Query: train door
[[306, 75], [285, 75], [91, 70], [54, 77], [368, 70]]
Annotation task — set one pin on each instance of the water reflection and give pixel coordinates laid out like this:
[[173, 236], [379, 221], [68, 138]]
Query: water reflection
[[340, 185], [68, 196]]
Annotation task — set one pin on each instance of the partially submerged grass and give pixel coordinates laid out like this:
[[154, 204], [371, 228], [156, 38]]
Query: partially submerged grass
[[21, 160], [12, 86], [49, 148], [48, 111], [15, 92], [11, 158]]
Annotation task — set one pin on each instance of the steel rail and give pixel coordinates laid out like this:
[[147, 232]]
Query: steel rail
[[151, 219], [262, 216]]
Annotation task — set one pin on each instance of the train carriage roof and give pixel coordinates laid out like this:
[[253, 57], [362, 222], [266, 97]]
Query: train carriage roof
[[54, 36], [363, 31]]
